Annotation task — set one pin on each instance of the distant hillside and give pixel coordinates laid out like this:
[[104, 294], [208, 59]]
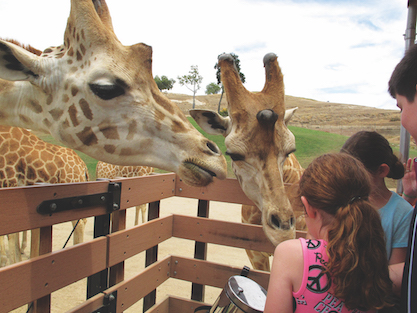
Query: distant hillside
[[337, 118]]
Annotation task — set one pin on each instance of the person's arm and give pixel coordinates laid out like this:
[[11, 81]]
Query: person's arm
[[396, 275], [398, 255], [409, 183], [286, 267]]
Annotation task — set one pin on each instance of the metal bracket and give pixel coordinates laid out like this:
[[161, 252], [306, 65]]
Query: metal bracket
[[110, 199], [109, 303]]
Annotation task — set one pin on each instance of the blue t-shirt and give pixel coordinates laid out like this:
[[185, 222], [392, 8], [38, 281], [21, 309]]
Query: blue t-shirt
[[395, 219]]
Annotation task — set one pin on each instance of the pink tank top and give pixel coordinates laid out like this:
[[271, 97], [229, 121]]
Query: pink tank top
[[315, 291]]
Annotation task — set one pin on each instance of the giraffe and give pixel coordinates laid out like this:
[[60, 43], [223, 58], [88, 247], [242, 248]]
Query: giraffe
[[258, 141], [110, 171], [26, 160], [292, 172], [95, 95]]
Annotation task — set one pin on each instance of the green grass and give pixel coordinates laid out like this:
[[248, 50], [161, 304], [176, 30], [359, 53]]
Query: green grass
[[313, 143], [310, 144]]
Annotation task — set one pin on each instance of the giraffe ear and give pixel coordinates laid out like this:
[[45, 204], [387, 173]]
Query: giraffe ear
[[16, 63], [288, 115], [211, 122]]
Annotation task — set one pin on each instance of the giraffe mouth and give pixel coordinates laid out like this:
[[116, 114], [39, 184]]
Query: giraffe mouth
[[196, 175]]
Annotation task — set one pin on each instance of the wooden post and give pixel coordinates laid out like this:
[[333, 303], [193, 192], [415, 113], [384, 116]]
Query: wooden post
[[200, 252], [151, 255]]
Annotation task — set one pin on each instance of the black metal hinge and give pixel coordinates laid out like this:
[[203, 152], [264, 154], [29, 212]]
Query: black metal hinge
[[110, 199]]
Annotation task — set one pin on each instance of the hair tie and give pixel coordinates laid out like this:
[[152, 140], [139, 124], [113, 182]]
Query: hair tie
[[354, 199]]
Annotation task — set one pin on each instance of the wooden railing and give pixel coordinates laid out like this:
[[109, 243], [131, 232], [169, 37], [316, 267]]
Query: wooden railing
[[102, 259]]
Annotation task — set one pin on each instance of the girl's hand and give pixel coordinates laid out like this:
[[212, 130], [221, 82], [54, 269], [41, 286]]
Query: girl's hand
[[409, 182]]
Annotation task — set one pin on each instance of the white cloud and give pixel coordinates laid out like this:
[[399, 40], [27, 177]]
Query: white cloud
[[340, 51]]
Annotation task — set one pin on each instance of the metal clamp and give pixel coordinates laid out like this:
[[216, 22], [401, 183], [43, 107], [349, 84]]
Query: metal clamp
[[110, 199], [109, 303]]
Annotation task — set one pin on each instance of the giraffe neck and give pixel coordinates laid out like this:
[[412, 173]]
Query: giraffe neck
[[21, 105]]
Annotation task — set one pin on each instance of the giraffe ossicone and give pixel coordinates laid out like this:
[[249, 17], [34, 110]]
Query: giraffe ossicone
[[98, 96], [258, 141]]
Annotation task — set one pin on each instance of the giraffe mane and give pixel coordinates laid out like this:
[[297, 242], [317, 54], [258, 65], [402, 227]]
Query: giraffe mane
[[26, 47]]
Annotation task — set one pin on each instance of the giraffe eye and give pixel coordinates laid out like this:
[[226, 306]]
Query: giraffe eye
[[235, 156], [107, 92]]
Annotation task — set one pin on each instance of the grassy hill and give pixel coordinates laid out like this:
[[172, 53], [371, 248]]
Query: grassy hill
[[319, 127]]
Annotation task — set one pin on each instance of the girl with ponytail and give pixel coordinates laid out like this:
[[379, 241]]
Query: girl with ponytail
[[342, 266]]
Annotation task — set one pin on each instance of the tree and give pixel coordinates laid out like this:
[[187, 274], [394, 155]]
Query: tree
[[219, 81], [194, 79], [212, 89], [164, 83]]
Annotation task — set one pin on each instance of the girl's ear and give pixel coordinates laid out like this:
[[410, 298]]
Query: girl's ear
[[383, 170], [310, 211]]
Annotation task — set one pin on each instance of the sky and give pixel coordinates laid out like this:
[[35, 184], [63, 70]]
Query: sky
[[328, 50]]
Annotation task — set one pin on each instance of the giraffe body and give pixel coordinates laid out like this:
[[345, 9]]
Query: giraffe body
[[98, 96], [258, 142], [111, 171], [26, 160]]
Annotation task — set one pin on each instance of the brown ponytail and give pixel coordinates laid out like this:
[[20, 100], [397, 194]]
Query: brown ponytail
[[339, 185]]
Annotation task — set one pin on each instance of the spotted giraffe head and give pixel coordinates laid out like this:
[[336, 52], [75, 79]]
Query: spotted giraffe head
[[258, 142], [95, 95]]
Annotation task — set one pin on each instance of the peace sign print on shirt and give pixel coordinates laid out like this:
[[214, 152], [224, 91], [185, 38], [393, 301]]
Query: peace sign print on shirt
[[313, 244], [318, 280]]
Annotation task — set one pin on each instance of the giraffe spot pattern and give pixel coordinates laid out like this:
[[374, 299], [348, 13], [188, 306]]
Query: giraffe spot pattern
[[110, 132], [25, 119], [74, 90], [35, 106], [126, 151], [87, 136], [49, 99], [110, 148], [133, 129], [56, 114], [85, 108], [73, 115]]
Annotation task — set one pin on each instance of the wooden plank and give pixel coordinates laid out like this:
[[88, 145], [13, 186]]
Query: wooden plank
[[177, 304], [145, 189], [161, 307], [132, 290], [45, 246], [220, 232], [210, 273], [18, 205], [173, 304], [29, 280], [90, 305], [127, 243], [227, 190]]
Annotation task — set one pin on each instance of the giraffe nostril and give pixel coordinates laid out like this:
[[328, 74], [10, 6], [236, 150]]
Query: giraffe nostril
[[278, 223], [212, 146], [275, 220]]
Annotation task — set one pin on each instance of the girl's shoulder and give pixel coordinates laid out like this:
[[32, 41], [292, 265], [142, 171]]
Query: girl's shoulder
[[291, 245]]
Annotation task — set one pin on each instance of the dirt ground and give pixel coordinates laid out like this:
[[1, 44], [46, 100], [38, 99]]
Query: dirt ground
[[74, 294]]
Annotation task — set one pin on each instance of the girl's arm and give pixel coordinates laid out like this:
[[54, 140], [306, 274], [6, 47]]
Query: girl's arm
[[286, 275], [396, 275], [397, 255]]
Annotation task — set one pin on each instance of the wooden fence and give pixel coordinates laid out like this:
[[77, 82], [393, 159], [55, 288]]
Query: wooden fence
[[102, 260]]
